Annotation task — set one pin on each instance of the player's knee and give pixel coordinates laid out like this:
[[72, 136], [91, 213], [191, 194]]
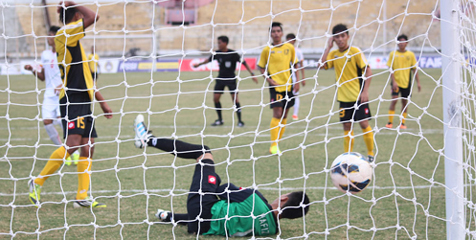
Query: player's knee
[[207, 149], [87, 151]]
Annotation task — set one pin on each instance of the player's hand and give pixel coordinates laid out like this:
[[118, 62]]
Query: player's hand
[[419, 87], [394, 86], [296, 87], [364, 97], [28, 67], [271, 82], [106, 109], [66, 4], [330, 42], [58, 89], [254, 79], [303, 82], [196, 65]]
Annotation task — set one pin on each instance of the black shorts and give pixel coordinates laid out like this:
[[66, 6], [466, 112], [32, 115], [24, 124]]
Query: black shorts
[[221, 84], [79, 119], [207, 180], [348, 111], [94, 75], [281, 99], [405, 92]]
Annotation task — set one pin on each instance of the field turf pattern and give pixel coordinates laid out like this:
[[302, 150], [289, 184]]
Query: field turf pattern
[[135, 182]]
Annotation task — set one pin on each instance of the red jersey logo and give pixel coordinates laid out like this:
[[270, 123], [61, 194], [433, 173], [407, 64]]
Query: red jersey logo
[[366, 111], [71, 125], [212, 179]]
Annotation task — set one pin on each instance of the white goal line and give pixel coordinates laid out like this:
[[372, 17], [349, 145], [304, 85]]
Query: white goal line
[[392, 132], [261, 188]]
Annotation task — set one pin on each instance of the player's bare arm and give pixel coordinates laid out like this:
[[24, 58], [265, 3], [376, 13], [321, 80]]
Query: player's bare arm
[[251, 72], [39, 74], [418, 80], [330, 44], [394, 82], [268, 79], [200, 64], [301, 68], [364, 96], [58, 89], [104, 106], [296, 86], [89, 16]]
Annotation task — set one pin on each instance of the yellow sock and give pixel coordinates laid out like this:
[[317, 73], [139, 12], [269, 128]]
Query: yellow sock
[[391, 113], [56, 159], [274, 131], [404, 117], [369, 140], [348, 141], [281, 129], [84, 164]]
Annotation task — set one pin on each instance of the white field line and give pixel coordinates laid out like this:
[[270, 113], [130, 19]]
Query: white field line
[[414, 131], [152, 127], [185, 190]]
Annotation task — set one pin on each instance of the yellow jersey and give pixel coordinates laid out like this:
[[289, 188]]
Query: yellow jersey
[[73, 63], [402, 64], [278, 60], [93, 62], [349, 66]]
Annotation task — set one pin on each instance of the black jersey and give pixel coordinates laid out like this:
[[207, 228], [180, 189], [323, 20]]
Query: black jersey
[[73, 64], [227, 62]]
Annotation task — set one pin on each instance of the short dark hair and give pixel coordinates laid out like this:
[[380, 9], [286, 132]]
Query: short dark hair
[[66, 15], [276, 24], [290, 36], [223, 39], [54, 29], [403, 36], [292, 208], [340, 28]]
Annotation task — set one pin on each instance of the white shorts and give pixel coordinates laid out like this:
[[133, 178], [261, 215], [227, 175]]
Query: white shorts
[[50, 108]]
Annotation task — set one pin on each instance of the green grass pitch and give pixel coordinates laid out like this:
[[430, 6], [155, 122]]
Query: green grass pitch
[[134, 182]]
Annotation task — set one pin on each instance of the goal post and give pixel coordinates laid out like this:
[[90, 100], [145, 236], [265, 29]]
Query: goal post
[[452, 60]]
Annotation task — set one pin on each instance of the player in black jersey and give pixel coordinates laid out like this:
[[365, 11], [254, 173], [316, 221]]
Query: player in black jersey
[[227, 60], [223, 209]]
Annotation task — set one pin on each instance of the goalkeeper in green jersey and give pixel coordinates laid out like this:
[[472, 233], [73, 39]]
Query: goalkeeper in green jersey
[[210, 204]]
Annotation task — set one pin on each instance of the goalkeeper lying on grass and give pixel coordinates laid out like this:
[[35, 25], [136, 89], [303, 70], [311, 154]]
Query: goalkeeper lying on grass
[[247, 211]]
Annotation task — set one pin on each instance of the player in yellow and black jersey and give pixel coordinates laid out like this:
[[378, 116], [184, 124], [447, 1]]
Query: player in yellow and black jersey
[[403, 65], [93, 59], [75, 102], [350, 67], [276, 63]]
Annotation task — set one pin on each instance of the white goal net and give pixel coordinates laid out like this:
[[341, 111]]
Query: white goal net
[[146, 58]]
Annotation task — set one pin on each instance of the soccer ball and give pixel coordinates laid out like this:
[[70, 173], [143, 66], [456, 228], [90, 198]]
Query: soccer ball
[[351, 172]]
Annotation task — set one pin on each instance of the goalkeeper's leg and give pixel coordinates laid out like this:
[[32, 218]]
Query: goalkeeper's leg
[[206, 181], [176, 147]]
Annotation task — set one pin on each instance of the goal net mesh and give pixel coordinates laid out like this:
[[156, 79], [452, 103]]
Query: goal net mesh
[[147, 51]]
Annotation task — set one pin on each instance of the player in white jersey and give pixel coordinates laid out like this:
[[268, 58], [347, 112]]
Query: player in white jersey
[[291, 38], [49, 73]]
